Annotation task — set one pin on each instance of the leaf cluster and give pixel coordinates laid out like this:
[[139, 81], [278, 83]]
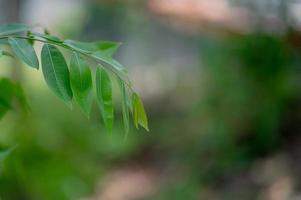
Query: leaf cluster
[[76, 79]]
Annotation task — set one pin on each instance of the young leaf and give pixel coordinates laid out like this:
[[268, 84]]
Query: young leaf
[[125, 109], [56, 73], [81, 82], [13, 28], [140, 117], [104, 97], [24, 51]]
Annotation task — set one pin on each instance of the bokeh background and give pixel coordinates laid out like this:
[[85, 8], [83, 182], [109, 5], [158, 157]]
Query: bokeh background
[[221, 84]]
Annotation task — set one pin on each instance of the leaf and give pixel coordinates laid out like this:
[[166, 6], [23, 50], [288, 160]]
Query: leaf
[[21, 98], [109, 60], [125, 108], [5, 152], [56, 73], [3, 110], [6, 95], [7, 29], [104, 97], [6, 91], [81, 82], [139, 114], [81, 46], [108, 47], [100, 51], [24, 51]]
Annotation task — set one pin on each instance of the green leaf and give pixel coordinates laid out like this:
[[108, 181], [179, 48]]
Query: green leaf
[[108, 47], [114, 66], [104, 97], [109, 60], [6, 95], [81, 46], [140, 117], [125, 108], [7, 29], [81, 82], [3, 110], [5, 152], [56, 73], [24, 51], [21, 98], [101, 51]]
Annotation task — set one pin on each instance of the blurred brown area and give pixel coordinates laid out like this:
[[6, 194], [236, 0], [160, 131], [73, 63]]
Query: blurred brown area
[[201, 14]]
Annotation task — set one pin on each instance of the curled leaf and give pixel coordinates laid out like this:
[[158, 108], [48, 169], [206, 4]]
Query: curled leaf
[[139, 114]]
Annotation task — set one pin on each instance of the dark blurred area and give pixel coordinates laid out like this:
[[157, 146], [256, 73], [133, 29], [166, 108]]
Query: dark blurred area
[[221, 83]]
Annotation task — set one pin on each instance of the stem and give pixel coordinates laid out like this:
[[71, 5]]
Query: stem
[[42, 40]]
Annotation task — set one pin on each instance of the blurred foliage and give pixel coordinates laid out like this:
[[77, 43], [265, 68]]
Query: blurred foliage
[[249, 86]]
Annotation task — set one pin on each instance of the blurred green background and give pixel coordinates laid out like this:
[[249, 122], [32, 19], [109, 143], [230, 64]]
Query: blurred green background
[[221, 85]]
